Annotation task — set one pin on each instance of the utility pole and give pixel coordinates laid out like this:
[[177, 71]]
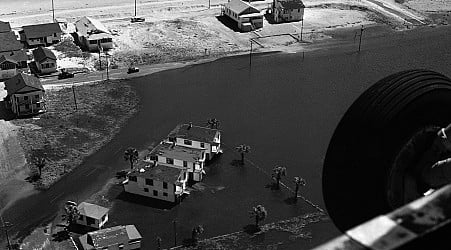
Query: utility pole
[[75, 98], [174, 222], [107, 65], [209, 4], [100, 58], [135, 8], [53, 11], [6, 225], [250, 54], [360, 40]]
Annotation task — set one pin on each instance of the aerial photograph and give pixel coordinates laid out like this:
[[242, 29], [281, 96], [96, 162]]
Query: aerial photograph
[[225, 124]]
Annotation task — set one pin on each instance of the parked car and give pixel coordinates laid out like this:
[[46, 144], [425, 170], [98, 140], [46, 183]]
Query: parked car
[[132, 70], [137, 19], [65, 74]]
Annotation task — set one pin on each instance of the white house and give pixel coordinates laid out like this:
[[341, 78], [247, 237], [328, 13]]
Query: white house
[[287, 10], [25, 95], [41, 34], [93, 35], [118, 237], [92, 215], [157, 180], [198, 137], [191, 159], [247, 16], [8, 67], [45, 60]]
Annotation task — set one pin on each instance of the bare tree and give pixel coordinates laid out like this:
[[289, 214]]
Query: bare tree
[[259, 213], [277, 174], [213, 123], [71, 212], [197, 230], [298, 181], [39, 162], [243, 149]]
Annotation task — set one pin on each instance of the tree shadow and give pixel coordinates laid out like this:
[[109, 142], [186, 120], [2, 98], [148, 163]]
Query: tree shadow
[[270, 18], [189, 242], [251, 229], [6, 113], [237, 163], [146, 201], [291, 200], [61, 236], [272, 186], [229, 23]]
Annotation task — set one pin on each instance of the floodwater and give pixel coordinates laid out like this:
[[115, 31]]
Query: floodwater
[[285, 107]]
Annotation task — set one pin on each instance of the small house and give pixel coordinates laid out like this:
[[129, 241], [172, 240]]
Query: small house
[[8, 67], [246, 16], [287, 10], [12, 49], [5, 27], [157, 180], [93, 35], [198, 137], [191, 159], [92, 215], [45, 60], [25, 95], [118, 237], [44, 34]]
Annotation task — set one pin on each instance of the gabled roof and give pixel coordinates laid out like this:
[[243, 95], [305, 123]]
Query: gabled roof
[[291, 4], [42, 53], [9, 42], [240, 7], [41, 30], [87, 26], [4, 58], [160, 172], [92, 210], [20, 81], [4, 27], [114, 236], [17, 55], [170, 150], [195, 133]]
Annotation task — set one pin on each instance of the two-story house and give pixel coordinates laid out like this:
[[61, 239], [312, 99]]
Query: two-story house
[[197, 137], [245, 15], [191, 159], [41, 34], [8, 67], [287, 10], [118, 237], [92, 215], [25, 95], [93, 35], [13, 51], [44, 60], [157, 180]]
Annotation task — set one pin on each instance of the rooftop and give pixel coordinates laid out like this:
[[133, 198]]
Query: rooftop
[[86, 26], [239, 7], [92, 210], [4, 58], [4, 27], [20, 81], [160, 172], [113, 236], [41, 30], [177, 152], [42, 53], [9, 42], [195, 133]]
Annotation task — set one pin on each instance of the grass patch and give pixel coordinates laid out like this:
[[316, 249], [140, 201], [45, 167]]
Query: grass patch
[[64, 136]]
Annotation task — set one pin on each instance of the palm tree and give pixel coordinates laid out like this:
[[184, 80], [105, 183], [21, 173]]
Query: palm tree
[[197, 230], [213, 123], [259, 213], [278, 172], [243, 149], [71, 212], [131, 155], [39, 162], [298, 181]]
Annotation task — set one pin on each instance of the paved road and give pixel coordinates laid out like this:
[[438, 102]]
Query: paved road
[[284, 100]]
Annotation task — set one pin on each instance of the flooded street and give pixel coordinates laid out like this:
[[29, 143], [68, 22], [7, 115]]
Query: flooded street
[[286, 108]]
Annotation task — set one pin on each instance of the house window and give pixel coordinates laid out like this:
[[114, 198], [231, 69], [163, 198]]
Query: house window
[[38, 105], [155, 193], [146, 190], [184, 175], [202, 145], [185, 164], [165, 185], [169, 161], [132, 178], [25, 97], [188, 142], [149, 182], [165, 194], [54, 34], [172, 139], [92, 42], [153, 158]]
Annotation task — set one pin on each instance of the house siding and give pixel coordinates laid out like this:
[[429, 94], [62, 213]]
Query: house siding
[[257, 22], [287, 15], [82, 220], [28, 103], [46, 66], [192, 167]]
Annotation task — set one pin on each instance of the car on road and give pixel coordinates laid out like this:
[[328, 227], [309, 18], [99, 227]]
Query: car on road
[[132, 70], [137, 19], [65, 74]]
